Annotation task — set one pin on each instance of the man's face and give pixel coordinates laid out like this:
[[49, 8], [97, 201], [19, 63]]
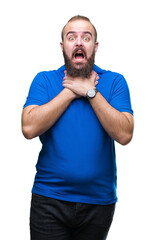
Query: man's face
[[79, 48]]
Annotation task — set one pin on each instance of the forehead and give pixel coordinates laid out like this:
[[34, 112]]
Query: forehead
[[78, 26]]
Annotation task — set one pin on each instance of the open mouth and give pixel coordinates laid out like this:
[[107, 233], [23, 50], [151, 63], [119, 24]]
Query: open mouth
[[79, 54]]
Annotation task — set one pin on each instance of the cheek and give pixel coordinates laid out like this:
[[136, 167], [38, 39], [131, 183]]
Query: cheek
[[90, 52], [68, 50]]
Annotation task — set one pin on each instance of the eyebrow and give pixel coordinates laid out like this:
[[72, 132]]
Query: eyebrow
[[72, 32]]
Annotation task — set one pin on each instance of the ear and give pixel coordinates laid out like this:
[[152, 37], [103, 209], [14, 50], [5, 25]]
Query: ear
[[96, 46], [61, 45]]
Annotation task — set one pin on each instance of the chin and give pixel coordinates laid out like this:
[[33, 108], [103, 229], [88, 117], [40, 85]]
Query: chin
[[79, 65], [79, 68]]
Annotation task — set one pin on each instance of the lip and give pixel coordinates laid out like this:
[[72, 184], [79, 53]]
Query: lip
[[79, 59], [79, 50]]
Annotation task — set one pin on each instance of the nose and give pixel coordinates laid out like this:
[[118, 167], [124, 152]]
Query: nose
[[79, 41]]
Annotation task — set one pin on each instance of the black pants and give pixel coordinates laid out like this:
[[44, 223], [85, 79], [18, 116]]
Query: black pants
[[52, 219]]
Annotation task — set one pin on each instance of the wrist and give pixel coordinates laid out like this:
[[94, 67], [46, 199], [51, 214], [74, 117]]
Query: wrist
[[70, 93], [87, 88], [91, 93]]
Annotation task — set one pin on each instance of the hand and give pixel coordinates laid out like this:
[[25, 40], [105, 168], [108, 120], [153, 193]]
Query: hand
[[80, 86]]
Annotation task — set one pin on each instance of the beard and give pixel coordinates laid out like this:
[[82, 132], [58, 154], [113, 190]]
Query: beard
[[82, 69]]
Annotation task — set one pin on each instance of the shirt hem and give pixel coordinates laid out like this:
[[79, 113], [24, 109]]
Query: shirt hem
[[74, 198]]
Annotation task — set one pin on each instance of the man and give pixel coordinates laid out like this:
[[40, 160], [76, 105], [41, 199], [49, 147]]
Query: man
[[77, 111]]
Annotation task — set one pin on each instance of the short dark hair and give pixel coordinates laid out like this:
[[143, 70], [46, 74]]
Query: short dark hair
[[80, 17]]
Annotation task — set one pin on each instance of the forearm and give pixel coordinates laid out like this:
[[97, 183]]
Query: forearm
[[38, 119], [118, 125]]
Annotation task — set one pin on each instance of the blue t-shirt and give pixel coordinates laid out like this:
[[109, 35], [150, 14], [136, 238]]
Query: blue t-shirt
[[77, 161]]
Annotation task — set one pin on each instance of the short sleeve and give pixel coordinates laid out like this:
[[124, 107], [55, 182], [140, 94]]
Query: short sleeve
[[120, 96], [38, 94]]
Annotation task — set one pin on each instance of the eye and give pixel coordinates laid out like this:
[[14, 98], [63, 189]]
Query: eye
[[86, 38], [71, 38]]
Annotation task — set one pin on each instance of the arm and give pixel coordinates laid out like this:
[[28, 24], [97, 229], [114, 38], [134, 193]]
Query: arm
[[38, 119], [119, 125]]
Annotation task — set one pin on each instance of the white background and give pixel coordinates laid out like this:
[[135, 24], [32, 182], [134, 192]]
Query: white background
[[29, 43]]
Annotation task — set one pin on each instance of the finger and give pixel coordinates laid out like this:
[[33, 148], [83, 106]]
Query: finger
[[92, 76], [97, 77], [93, 73], [96, 83], [65, 72], [67, 81], [66, 85]]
